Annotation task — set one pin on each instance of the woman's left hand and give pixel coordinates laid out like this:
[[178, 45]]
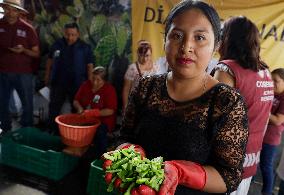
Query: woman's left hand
[[181, 172], [171, 180]]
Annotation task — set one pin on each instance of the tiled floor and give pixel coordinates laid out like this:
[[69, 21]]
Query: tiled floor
[[15, 182], [10, 186]]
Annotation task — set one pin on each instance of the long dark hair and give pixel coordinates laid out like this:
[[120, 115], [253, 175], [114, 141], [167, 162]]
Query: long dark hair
[[240, 41]]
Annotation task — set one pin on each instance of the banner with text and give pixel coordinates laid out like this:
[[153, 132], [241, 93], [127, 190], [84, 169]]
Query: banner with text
[[148, 17]]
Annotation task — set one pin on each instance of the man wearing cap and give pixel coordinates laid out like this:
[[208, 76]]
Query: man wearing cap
[[18, 46]]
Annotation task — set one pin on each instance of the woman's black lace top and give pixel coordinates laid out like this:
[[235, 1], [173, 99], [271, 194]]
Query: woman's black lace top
[[210, 130]]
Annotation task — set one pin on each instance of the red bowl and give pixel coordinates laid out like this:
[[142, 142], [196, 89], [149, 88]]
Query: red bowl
[[77, 130]]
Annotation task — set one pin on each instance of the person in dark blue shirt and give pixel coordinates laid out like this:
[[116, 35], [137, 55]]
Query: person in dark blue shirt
[[69, 64]]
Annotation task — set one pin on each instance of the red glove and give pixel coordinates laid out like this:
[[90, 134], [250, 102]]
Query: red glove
[[108, 178], [181, 172], [91, 113], [107, 163], [137, 148], [143, 190]]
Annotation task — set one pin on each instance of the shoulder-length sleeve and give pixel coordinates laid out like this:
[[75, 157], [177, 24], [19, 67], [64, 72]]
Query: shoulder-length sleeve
[[229, 144]]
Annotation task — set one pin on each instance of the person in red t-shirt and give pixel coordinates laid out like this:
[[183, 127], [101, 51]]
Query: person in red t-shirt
[[97, 98], [272, 137]]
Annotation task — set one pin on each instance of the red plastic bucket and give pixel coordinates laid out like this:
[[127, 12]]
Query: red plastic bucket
[[76, 130]]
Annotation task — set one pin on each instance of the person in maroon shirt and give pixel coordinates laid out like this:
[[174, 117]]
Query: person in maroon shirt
[[240, 67], [272, 137], [18, 46]]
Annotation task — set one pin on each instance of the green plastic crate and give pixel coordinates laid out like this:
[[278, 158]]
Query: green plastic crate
[[36, 152], [96, 182]]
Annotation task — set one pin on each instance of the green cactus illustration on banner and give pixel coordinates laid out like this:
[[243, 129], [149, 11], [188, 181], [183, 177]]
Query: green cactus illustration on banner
[[104, 24], [109, 35]]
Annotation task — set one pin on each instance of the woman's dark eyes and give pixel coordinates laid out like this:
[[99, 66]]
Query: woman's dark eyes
[[177, 36], [200, 37]]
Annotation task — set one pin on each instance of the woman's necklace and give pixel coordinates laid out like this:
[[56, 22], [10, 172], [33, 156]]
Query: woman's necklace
[[204, 81]]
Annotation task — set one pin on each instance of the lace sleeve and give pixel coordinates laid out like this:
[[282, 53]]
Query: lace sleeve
[[131, 115], [231, 138]]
